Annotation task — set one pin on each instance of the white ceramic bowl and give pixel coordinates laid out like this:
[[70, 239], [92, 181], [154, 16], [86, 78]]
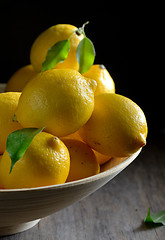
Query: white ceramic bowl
[[21, 209]]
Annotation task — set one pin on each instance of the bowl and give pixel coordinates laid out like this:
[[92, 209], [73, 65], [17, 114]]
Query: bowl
[[21, 209]]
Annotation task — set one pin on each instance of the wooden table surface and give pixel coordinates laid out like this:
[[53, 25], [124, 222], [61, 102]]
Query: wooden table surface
[[116, 211]]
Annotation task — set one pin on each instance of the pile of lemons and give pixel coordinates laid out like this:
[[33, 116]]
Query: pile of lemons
[[85, 122]]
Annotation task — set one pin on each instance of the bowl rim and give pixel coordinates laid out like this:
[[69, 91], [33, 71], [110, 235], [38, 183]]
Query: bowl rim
[[83, 181]]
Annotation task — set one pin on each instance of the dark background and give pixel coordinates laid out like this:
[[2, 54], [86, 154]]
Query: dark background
[[126, 44]]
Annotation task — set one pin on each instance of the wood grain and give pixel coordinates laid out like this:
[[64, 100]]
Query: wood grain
[[115, 211]]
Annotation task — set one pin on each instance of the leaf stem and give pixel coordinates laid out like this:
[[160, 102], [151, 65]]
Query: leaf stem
[[80, 30]]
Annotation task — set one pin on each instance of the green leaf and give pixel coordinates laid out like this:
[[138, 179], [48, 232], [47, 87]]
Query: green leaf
[[85, 55], [157, 218], [18, 141], [57, 53]]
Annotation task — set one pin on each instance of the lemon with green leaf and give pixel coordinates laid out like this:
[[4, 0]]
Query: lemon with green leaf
[[50, 37], [8, 105], [45, 162]]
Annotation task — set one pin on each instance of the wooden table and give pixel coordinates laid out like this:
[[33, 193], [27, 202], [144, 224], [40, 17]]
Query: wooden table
[[116, 211]]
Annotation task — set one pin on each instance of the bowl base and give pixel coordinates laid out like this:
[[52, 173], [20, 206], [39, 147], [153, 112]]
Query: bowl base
[[9, 230]]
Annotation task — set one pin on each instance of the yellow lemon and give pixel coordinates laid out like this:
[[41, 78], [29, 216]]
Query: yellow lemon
[[45, 162], [1, 187], [61, 100], [75, 136], [101, 159], [83, 162], [8, 104], [104, 80], [117, 127], [20, 78], [112, 163], [51, 36]]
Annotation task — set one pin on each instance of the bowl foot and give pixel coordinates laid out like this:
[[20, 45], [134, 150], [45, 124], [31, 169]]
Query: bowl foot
[[9, 230]]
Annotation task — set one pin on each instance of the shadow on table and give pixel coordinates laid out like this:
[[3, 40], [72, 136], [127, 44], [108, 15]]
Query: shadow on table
[[147, 226]]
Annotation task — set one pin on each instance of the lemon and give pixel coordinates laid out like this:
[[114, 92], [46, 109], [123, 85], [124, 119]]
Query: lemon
[[62, 100], [83, 162], [8, 104], [75, 136], [45, 162], [104, 80], [112, 163], [20, 78], [48, 38], [1, 187], [117, 127], [101, 159]]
